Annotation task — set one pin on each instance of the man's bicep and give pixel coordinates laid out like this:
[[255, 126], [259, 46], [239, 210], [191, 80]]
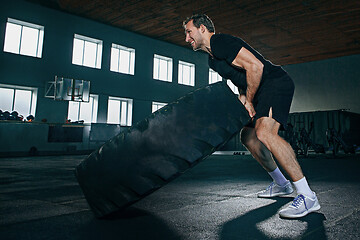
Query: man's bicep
[[245, 59]]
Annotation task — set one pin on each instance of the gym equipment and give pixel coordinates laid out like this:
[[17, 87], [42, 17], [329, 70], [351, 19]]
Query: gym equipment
[[336, 141], [305, 142], [30, 118], [346, 124], [6, 115], [68, 89], [14, 115], [159, 148]]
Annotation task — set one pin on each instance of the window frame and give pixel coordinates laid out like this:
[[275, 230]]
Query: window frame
[[22, 24], [131, 60], [157, 105], [169, 69], [181, 73], [129, 110], [98, 52], [211, 80], [33, 101], [94, 109], [232, 87]]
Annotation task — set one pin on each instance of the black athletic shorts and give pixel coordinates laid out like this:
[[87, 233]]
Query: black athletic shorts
[[276, 93]]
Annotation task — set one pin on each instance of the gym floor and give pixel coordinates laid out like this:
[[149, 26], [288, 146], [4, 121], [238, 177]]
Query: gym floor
[[40, 199]]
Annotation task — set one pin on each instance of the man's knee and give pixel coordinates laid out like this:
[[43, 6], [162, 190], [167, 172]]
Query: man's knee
[[263, 135], [265, 128]]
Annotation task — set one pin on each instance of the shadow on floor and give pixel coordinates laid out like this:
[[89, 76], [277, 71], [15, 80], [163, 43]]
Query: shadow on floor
[[133, 223], [245, 226]]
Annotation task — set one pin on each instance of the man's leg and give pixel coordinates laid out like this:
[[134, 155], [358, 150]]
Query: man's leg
[[257, 149], [266, 129], [280, 185]]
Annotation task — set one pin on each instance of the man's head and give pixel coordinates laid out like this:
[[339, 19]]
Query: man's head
[[199, 19], [198, 28]]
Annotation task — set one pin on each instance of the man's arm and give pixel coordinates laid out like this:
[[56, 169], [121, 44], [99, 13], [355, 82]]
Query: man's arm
[[254, 70], [242, 96]]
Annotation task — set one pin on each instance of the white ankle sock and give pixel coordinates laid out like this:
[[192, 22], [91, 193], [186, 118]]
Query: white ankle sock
[[302, 187], [278, 177]]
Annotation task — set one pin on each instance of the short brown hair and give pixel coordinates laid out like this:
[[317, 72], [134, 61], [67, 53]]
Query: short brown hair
[[199, 19]]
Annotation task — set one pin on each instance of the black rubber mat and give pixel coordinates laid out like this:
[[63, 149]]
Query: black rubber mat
[[159, 148]]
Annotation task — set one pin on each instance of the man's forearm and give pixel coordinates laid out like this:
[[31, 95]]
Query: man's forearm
[[253, 79]]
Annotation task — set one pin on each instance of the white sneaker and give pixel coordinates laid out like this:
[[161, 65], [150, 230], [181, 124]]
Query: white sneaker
[[274, 190], [300, 207]]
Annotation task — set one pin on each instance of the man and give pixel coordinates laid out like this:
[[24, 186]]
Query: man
[[266, 91]]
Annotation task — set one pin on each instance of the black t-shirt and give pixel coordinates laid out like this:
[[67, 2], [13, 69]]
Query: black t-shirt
[[225, 48]]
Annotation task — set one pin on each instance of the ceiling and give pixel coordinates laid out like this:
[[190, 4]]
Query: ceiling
[[284, 31]]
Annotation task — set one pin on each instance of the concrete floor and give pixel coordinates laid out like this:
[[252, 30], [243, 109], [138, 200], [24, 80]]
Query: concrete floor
[[40, 199]]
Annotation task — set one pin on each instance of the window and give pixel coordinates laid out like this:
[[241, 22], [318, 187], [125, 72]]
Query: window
[[86, 111], [19, 99], [122, 59], [157, 105], [23, 38], [87, 51], [120, 111], [214, 76], [232, 87], [162, 68], [186, 74]]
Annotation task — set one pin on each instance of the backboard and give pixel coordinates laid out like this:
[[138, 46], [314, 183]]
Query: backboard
[[68, 89]]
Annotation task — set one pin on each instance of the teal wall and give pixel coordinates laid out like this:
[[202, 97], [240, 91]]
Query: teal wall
[[321, 85], [57, 57], [326, 85]]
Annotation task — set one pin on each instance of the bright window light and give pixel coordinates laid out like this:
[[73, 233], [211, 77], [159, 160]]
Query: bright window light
[[87, 51], [73, 111], [6, 99], [157, 105], [162, 68], [232, 87], [86, 111], [120, 111], [23, 38], [186, 74], [22, 103], [113, 111], [18, 98], [214, 76], [78, 51], [122, 59], [90, 54]]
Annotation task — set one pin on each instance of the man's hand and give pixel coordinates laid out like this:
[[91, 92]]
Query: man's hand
[[250, 108], [248, 105]]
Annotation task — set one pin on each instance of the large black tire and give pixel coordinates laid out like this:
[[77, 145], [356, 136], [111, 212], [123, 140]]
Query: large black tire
[[159, 148]]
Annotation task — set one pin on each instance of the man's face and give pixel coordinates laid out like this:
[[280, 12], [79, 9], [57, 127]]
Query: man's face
[[193, 36]]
